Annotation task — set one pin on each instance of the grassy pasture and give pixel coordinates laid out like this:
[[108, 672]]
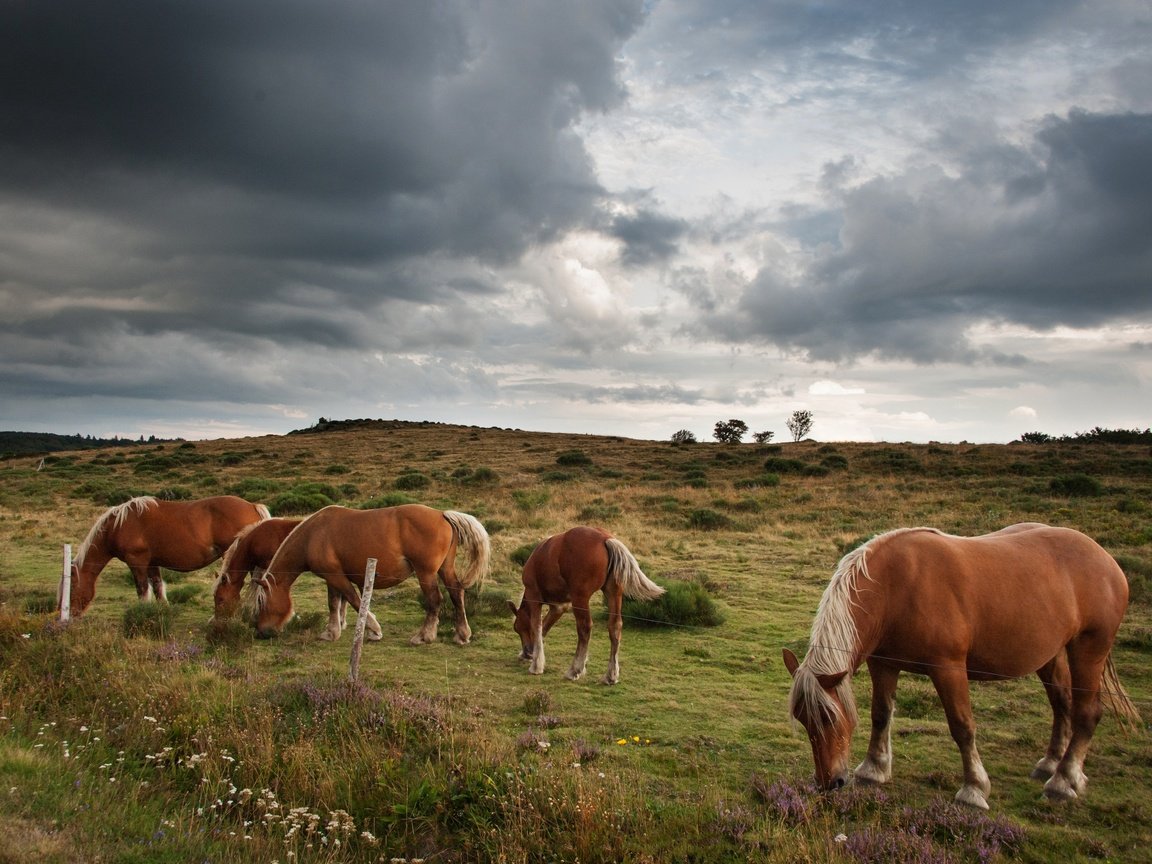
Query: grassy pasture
[[178, 743]]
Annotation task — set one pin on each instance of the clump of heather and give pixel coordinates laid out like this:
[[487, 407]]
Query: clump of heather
[[981, 836], [885, 846], [787, 802]]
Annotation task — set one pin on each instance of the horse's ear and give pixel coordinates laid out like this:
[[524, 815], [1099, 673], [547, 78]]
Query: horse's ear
[[511, 606], [831, 682], [790, 662]]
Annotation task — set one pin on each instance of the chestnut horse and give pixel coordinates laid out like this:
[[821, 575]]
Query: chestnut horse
[[335, 543], [147, 534], [251, 552], [564, 572], [1026, 599]]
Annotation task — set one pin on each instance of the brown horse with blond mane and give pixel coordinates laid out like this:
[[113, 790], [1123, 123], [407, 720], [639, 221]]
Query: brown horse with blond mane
[[1027, 599], [410, 540], [147, 533], [563, 573], [250, 553]]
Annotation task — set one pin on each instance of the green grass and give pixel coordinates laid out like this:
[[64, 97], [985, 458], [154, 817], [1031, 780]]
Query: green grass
[[457, 753]]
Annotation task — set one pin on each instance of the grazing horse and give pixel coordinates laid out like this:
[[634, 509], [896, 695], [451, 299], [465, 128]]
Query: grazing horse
[[147, 534], [335, 543], [251, 552], [1026, 599], [564, 572]]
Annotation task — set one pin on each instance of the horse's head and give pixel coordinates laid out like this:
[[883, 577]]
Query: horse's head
[[817, 702], [273, 605], [522, 627], [226, 595], [80, 592]]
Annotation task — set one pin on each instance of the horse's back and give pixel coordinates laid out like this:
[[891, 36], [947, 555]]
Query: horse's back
[[574, 560], [347, 537], [1019, 594]]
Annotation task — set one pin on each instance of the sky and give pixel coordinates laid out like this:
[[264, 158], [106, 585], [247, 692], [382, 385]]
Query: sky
[[925, 221]]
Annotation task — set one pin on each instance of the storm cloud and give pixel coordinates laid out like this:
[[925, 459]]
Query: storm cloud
[[227, 218]]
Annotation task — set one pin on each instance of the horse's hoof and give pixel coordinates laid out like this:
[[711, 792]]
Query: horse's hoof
[[573, 675], [608, 679], [375, 637], [868, 773], [970, 796], [326, 636]]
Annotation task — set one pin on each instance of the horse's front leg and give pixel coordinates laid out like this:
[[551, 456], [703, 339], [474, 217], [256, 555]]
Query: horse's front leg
[[952, 687], [332, 630], [536, 628], [1058, 686], [427, 631], [583, 616], [615, 627], [156, 582], [877, 765]]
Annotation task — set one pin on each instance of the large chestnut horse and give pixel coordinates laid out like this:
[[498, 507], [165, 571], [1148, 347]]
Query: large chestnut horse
[[251, 552], [1026, 599], [335, 543], [147, 534], [564, 572]]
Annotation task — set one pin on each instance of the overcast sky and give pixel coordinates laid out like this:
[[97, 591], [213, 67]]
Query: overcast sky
[[924, 221]]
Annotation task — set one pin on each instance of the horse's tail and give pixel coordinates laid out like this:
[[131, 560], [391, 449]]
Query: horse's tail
[[1116, 698], [262, 511], [623, 567], [473, 539]]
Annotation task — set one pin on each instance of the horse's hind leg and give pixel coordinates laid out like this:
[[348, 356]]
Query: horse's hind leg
[[952, 686], [1058, 685], [877, 765], [1086, 658], [615, 599], [456, 595], [583, 616], [427, 631]]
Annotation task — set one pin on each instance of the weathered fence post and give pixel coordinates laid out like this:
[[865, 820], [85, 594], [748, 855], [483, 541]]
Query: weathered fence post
[[362, 619], [66, 585]]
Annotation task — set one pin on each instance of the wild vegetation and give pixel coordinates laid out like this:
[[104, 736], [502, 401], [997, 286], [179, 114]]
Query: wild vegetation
[[141, 733]]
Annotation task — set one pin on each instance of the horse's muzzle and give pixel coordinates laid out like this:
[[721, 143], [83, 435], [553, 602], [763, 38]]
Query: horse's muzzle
[[265, 633]]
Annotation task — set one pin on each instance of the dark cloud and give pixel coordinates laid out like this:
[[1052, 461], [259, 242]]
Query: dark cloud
[[648, 237], [1053, 235]]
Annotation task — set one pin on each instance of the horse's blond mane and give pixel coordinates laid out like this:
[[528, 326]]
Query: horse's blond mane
[[114, 516], [230, 552], [833, 644]]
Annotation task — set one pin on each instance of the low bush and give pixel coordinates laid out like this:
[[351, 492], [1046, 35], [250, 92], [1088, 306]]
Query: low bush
[[1076, 486], [415, 480], [149, 620], [683, 603], [573, 459], [521, 554], [388, 499], [704, 519], [528, 500]]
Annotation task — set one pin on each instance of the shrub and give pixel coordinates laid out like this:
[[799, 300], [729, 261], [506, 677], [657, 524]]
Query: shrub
[[414, 480], [573, 459], [704, 519], [299, 503], [521, 554], [730, 431], [598, 511], [685, 604], [763, 480], [1076, 486], [337, 469], [528, 500], [781, 465], [834, 461], [481, 475], [42, 601], [152, 620], [230, 459], [232, 634], [683, 436], [556, 476]]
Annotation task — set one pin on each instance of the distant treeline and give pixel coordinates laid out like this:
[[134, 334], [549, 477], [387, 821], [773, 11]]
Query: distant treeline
[[1094, 436], [35, 443]]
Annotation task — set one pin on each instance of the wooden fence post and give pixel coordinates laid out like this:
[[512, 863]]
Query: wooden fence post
[[362, 619], [66, 585]]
